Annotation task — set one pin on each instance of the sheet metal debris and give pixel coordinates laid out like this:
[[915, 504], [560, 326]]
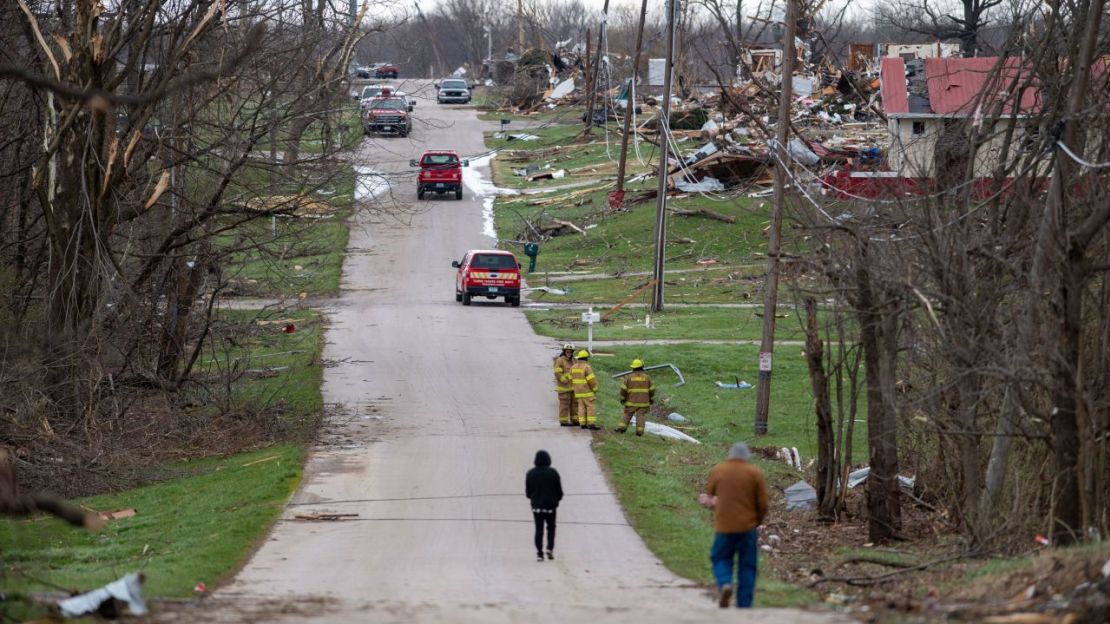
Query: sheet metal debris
[[800, 497], [120, 597]]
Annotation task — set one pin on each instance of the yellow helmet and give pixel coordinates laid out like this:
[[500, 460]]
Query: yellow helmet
[[583, 355], [568, 347], [637, 364]]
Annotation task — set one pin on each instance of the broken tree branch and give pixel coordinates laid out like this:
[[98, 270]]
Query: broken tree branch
[[704, 212]]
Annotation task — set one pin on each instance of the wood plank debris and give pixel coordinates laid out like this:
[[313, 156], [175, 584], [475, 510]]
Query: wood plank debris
[[704, 212]]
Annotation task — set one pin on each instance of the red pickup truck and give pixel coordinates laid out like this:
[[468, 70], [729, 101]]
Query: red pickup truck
[[488, 273], [440, 172], [388, 115], [386, 70]]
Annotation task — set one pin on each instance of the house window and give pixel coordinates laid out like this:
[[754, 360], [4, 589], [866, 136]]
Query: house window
[[919, 128]]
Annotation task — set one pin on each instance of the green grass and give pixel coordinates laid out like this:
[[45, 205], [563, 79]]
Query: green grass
[[288, 256], [199, 520], [704, 288], [199, 528], [275, 371], [313, 139], [672, 324], [624, 242]]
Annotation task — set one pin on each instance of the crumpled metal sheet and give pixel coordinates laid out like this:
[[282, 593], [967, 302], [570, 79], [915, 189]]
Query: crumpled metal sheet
[[128, 589]]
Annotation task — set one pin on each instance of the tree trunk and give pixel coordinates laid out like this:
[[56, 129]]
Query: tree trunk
[[293, 142], [882, 485], [826, 442]]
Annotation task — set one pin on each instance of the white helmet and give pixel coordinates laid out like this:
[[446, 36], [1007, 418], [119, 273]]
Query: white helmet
[[568, 346]]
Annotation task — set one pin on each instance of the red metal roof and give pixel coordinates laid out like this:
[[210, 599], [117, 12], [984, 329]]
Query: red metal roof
[[892, 85], [961, 86]]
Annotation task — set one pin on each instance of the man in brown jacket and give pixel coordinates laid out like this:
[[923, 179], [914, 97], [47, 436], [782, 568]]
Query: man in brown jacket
[[737, 493], [568, 414]]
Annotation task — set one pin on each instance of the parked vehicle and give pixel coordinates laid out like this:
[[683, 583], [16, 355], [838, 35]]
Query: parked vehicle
[[488, 273], [440, 172], [361, 71], [386, 70], [387, 115], [453, 90], [372, 92]]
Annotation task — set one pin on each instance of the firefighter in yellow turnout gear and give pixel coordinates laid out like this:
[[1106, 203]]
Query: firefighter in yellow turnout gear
[[585, 388], [568, 412], [637, 395]]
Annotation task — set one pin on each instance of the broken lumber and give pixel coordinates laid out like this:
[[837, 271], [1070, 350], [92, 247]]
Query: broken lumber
[[570, 225], [704, 212], [623, 302]]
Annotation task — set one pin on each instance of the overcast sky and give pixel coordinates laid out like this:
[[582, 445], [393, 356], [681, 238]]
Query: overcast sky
[[750, 6]]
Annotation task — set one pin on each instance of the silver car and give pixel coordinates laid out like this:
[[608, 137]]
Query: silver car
[[453, 90]]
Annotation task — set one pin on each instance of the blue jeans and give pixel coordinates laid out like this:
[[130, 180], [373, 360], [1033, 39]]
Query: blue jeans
[[727, 546]]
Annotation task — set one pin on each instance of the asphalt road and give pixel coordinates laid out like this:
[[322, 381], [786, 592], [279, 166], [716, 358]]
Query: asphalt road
[[440, 411]]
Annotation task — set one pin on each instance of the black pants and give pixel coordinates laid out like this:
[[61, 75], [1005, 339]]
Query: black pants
[[541, 518]]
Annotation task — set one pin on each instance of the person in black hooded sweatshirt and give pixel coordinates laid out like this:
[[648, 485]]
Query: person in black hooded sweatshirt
[[543, 487]]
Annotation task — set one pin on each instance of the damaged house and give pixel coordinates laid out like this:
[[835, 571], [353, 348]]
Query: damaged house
[[942, 112]]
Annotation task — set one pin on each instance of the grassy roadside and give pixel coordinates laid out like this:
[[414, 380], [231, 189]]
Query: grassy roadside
[[623, 242], [706, 323], [198, 528], [197, 520]]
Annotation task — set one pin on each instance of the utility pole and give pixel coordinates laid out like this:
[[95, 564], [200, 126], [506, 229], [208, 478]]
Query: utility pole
[[774, 240], [520, 27], [631, 106], [664, 150], [591, 95]]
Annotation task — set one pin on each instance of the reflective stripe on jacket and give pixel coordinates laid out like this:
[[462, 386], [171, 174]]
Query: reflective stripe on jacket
[[563, 365], [583, 379], [637, 390]]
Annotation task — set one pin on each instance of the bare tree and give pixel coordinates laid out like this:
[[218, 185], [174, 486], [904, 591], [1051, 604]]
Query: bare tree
[[962, 20]]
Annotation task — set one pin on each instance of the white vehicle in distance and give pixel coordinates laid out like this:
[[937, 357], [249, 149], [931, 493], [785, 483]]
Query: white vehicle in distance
[[453, 90], [373, 92]]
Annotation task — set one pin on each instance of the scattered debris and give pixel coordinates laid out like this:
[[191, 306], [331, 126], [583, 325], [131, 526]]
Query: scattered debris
[[676, 417], [547, 289], [664, 431], [290, 205], [516, 137], [550, 174], [120, 597], [705, 185], [737, 385]]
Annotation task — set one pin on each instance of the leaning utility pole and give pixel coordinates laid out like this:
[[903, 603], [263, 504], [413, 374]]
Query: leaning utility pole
[[631, 105], [591, 94], [774, 240], [664, 149]]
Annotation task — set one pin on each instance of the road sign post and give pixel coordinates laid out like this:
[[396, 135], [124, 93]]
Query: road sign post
[[589, 318]]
